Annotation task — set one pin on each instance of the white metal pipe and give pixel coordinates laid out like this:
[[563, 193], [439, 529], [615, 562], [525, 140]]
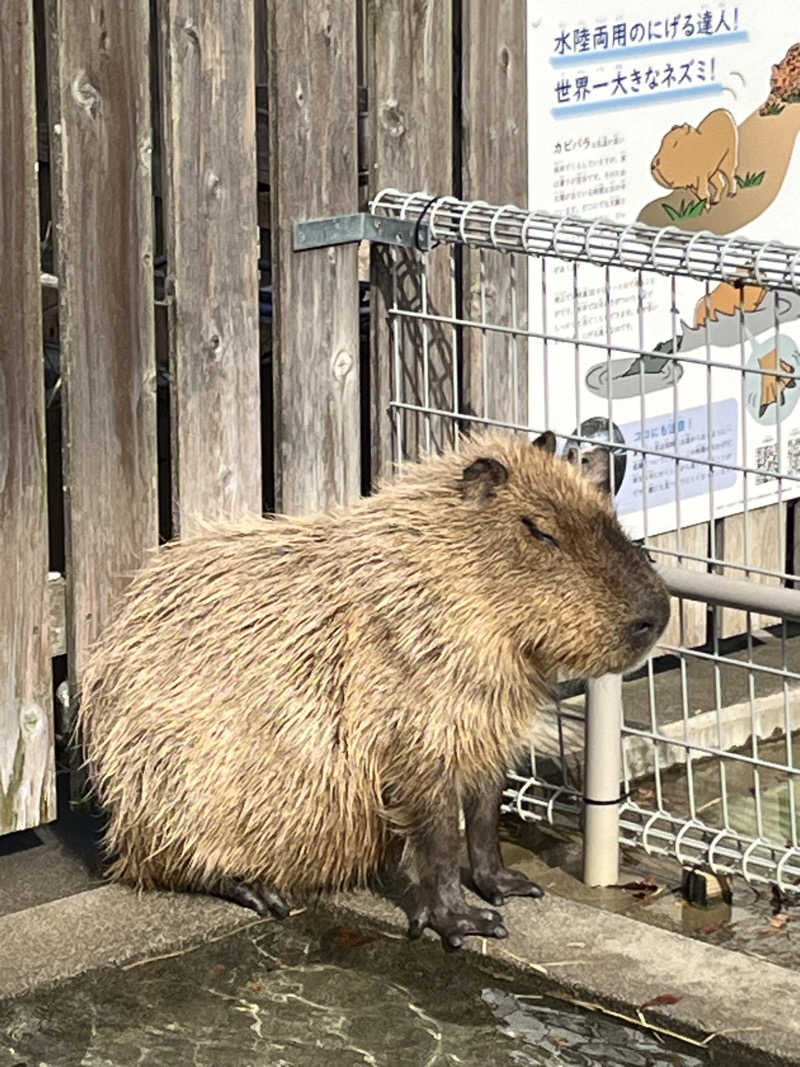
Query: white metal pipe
[[668, 250], [602, 775], [732, 592]]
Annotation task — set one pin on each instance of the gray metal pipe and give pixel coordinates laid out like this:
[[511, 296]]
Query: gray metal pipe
[[732, 592]]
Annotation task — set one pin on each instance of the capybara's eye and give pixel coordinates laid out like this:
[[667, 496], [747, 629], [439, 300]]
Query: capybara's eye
[[532, 528]]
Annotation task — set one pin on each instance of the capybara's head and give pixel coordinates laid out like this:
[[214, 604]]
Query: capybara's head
[[672, 164], [544, 557]]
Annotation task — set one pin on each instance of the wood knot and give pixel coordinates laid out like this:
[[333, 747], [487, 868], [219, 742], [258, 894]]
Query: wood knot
[[392, 118], [31, 721], [341, 364], [213, 185], [190, 31], [86, 95]]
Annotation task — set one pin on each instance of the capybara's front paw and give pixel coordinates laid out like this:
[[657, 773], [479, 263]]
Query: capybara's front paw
[[496, 886], [454, 924]]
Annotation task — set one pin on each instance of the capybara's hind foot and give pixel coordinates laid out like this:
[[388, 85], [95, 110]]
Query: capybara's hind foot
[[496, 886], [454, 924], [261, 898]]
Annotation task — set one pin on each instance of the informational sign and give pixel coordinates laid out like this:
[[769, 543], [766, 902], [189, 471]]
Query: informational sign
[[685, 118]]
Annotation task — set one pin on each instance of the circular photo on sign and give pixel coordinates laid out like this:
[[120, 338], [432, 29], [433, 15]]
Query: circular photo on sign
[[630, 376], [772, 380], [596, 429]]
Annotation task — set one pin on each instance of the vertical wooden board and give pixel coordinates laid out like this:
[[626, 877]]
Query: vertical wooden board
[[100, 110], [313, 168], [411, 133], [495, 168], [27, 780], [687, 624], [766, 548], [211, 233]]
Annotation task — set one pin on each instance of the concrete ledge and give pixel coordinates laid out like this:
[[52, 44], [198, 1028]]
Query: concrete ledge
[[594, 955], [103, 927]]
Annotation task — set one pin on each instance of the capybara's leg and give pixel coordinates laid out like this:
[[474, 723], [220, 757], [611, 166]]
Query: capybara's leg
[[700, 188], [440, 902], [261, 898], [715, 183], [491, 878], [729, 174]]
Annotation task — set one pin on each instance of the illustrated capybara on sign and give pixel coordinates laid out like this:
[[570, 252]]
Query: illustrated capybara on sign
[[727, 299], [703, 160], [280, 702]]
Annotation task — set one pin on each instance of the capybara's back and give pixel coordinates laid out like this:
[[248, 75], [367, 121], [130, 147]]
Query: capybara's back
[[279, 699]]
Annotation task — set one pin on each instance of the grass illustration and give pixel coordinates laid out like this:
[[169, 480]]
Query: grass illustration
[[689, 209], [750, 179]]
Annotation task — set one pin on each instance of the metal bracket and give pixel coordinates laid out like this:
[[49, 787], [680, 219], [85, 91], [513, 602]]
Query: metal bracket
[[348, 229]]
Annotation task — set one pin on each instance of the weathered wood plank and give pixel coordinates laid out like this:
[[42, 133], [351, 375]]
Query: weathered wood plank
[[211, 233], [27, 777], [411, 133], [100, 111], [766, 548], [313, 168], [688, 621], [494, 168]]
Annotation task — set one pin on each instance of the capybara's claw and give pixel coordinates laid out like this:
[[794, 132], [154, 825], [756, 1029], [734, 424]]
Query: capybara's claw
[[261, 898], [496, 886], [453, 926]]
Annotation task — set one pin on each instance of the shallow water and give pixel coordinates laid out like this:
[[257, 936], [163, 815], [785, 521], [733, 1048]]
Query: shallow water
[[311, 991]]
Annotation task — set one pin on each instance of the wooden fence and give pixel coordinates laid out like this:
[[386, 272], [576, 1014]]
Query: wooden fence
[[155, 155], [153, 158]]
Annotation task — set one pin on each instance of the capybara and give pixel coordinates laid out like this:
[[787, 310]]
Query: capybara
[[280, 701], [727, 299], [774, 385], [703, 159]]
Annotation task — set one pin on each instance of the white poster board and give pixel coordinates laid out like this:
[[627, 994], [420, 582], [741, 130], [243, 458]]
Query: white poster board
[[684, 117]]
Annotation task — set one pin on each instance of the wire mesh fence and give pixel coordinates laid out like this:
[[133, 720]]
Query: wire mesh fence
[[678, 351]]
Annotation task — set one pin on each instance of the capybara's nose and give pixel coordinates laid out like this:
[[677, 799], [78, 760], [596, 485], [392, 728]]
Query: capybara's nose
[[649, 623], [642, 631]]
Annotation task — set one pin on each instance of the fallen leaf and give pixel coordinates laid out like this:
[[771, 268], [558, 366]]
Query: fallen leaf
[[637, 887], [350, 937], [664, 998], [712, 929]]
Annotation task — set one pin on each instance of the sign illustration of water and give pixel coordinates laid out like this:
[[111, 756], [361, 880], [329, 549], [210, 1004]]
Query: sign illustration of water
[[685, 118]]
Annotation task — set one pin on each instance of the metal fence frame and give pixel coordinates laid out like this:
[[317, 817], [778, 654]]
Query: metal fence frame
[[703, 256]]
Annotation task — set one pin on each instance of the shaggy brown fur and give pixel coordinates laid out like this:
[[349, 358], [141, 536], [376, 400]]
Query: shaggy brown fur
[[279, 698]]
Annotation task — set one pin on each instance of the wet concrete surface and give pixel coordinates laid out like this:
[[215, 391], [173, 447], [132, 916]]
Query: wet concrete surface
[[756, 921], [322, 990], [315, 990]]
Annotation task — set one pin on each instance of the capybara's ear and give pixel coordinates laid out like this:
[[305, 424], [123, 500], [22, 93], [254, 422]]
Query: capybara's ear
[[546, 441], [595, 466], [480, 479]]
